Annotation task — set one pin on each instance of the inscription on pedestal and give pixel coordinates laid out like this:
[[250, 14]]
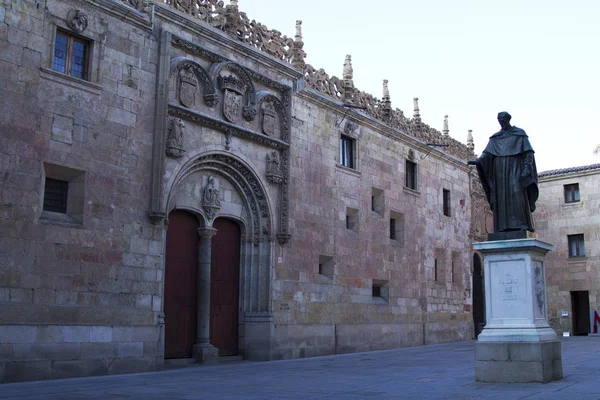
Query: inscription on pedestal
[[510, 285], [508, 289]]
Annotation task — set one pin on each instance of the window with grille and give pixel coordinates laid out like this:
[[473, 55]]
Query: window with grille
[[70, 55], [576, 245], [411, 175], [347, 151], [56, 193], [572, 193], [446, 201]]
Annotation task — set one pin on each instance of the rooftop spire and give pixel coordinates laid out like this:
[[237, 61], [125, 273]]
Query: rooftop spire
[[348, 73], [446, 131], [416, 115], [298, 36], [386, 91], [470, 143]]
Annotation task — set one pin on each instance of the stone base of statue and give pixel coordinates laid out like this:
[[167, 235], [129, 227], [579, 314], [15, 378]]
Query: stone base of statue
[[517, 345], [205, 353]]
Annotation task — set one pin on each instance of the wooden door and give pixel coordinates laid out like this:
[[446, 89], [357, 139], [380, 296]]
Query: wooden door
[[224, 286], [181, 272], [580, 303]]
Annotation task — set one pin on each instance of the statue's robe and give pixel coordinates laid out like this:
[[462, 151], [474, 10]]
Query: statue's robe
[[511, 195]]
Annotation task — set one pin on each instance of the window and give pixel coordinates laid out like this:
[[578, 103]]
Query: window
[[576, 245], [411, 175], [326, 266], [56, 193], [71, 55], [572, 193], [377, 201], [435, 269], [376, 290], [352, 219], [446, 200], [456, 271], [380, 291], [397, 227], [63, 189], [347, 151]]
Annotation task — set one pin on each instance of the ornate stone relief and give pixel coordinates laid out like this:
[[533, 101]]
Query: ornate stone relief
[[174, 144], [140, 5], [188, 85], [233, 96], [77, 20], [539, 288], [211, 203], [269, 116], [189, 75], [273, 168]]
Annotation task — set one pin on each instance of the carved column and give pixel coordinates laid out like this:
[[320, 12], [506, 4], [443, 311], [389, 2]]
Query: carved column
[[204, 352]]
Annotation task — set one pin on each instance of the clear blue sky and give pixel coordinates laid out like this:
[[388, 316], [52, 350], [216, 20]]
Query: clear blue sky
[[470, 59]]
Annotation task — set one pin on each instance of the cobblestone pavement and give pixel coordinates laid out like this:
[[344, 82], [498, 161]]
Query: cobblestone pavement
[[431, 372]]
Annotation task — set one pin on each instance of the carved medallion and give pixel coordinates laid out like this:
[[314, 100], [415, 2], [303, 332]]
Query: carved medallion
[[187, 87], [269, 117], [77, 20]]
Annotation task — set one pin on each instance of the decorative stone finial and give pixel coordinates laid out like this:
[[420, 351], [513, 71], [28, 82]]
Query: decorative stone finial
[[298, 36], [416, 115], [446, 131], [386, 90], [233, 3], [470, 143], [348, 73]]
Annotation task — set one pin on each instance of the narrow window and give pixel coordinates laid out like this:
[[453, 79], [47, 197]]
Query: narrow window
[[393, 228], [572, 193], [56, 193], [352, 219], [435, 270], [376, 291], [347, 151], [446, 200], [452, 271], [411, 175], [71, 55], [326, 266], [576, 245], [397, 227]]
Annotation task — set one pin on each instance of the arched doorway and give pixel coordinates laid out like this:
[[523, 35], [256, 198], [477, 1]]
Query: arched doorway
[[180, 295], [224, 286], [478, 295]]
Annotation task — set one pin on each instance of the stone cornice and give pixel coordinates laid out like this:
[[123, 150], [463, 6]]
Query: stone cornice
[[121, 11], [220, 39], [379, 127]]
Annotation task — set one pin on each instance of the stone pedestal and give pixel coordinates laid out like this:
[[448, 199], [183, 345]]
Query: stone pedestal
[[205, 353], [517, 343]]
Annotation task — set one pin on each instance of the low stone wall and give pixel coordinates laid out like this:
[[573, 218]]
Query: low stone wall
[[36, 352]]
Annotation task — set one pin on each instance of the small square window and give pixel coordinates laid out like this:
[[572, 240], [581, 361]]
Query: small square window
[[397, 227], [380, 290], [377, 201], [576, 245], [56, 193], [446, 201], [411, 175], [71, 55], [572, 193], [347, 151], [352, 219], [326, 266]]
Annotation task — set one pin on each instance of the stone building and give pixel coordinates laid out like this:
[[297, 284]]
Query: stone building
[[567, 216], [176, 183]]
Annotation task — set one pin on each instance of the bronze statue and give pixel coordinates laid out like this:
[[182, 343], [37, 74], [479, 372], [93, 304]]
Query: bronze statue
[[509, 177]]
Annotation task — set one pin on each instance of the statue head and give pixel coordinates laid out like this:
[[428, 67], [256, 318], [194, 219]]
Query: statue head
[[504, 120]]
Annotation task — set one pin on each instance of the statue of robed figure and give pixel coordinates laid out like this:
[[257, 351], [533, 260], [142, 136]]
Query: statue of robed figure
[[508, 174]]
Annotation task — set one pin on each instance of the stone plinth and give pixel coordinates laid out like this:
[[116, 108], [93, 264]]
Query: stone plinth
[[517, 343], [205, 353]]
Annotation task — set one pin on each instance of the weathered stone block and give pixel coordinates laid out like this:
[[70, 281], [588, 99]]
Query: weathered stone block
[[130, 349], [18, 333], [145, 333], [6, 352], [27, 371], [76, 334], [45, 351], [99, 350], [50, 334], [129, 365], [101, 334], [79, 368]]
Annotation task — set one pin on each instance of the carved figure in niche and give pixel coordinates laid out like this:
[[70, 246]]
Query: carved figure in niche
[[77, 20], [232, 100], [211, 203], [187, 86], [269, 116], [174, 143], [140, 5], [273, 168]]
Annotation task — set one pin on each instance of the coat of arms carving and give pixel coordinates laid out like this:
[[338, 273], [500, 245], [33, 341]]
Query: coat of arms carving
[[187, 86], [234, 89], [269, 116]]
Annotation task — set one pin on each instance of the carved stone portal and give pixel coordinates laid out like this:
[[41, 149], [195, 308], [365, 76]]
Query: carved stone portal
[[187, 87], [269, 116], [211, 203], [174, 144], [274, 174]]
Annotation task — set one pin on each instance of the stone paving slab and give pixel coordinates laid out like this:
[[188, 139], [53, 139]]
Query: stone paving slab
[[444, 371]]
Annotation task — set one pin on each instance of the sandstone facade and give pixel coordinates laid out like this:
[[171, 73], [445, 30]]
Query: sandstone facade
[[566, 212], [182, 108]]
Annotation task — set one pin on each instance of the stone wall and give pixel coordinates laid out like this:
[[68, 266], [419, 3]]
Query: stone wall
[[81, 292], [554, 220]]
